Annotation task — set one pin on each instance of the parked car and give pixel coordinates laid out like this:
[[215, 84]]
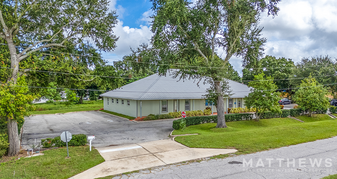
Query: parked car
[[284, 101], [333, 102]]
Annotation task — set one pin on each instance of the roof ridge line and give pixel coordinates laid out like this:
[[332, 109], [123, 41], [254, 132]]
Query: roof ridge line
[[150, 86]]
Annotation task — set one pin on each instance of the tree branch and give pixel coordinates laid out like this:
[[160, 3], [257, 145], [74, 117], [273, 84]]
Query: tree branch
[[3, 24], [2, 35], [16, 25], [48, 40], [196, 46], [44, 46]]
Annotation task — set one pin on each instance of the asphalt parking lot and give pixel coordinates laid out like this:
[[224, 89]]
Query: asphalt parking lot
[[109, 130]]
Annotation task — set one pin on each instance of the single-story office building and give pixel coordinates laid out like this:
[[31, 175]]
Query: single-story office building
[[157, 94]]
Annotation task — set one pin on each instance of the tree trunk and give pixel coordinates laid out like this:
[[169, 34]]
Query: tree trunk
[[81, 100], [12, 126], [13, 137], [14, 61], [220, 108]]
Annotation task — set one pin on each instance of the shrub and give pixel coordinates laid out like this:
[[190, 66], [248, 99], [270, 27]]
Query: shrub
[[285, 113], [77, 140], [207, 112], [296, 112], [46, 143], [200, 113], [175, 114], [269, 115], [160, 116], [321, 111], [213, 119], [282, 106], [238, 117], [151, 117], [188, 113], [333, 109], [3, 144], [165, 116], [179, 124]]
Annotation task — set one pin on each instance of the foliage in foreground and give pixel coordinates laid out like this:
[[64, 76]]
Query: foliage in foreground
[[53, 164]]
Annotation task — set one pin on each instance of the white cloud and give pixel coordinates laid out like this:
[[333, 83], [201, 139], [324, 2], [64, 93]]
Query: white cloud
[[128, 37], [303, 28], [146, 17]]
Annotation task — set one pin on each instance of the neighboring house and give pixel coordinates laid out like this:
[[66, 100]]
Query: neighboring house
[[41, 100], [63, 94], [163, 94]]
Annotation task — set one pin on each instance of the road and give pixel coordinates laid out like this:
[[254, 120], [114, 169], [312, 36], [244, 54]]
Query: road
[[109, 130], [309, 160]]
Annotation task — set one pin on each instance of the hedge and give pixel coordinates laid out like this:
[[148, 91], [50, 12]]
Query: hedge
[[189, 121], [158, 116], [179, 124], [268, 115], [333, 109], [77, 140], [296, 112]]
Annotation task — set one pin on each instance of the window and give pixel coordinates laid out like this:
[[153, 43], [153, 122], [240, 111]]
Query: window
[[107, 101], [122, 101], [112, 100], [128, 101], [206, 102], [117, 101], [230, 103], [239, 103], [187, 105], [164, 106]]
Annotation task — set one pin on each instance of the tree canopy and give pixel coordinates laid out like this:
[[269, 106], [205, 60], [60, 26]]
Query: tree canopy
[[188, 35], [28, 27], [263, 95], [323, 69], [311, 96], [279, 68]]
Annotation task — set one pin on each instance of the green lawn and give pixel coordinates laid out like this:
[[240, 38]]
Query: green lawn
[[117, 114], [331, 177], [53, 164], [60, 107], [254, 136], [317, 117]]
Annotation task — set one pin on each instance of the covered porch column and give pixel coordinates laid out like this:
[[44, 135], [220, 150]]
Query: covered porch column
[[140, 109]]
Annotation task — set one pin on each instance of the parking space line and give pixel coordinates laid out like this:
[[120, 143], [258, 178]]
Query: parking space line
[[119, 149]]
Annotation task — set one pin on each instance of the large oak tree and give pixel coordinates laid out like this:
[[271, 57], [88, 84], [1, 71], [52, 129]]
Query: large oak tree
[[196, 34], [30, 26]]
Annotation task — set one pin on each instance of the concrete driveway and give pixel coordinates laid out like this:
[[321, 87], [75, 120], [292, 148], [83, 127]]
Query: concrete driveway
[[289, 106], [109, 130], [313, 160]]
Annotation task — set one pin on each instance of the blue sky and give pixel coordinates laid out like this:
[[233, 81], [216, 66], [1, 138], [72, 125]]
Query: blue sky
[[303, 28]]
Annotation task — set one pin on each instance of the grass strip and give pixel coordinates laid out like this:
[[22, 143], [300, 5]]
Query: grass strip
[[53, 164]]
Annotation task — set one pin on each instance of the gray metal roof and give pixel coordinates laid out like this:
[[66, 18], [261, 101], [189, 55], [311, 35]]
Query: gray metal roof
[[156, 87]]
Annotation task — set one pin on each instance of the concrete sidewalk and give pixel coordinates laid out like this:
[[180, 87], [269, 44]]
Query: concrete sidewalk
[[127, 158]]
